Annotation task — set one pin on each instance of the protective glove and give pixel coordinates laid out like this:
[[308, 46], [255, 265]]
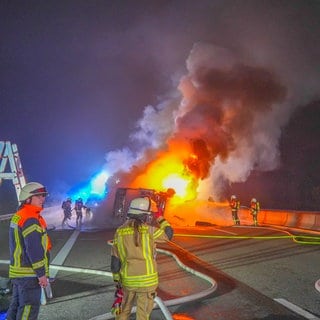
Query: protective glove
[[158, 214], [118, 295]]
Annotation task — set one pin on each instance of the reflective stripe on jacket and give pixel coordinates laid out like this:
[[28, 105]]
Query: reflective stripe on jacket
[[29, 243], [138, 268]]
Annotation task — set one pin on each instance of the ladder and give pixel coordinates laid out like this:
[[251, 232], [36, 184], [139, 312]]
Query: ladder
[[10, 165]]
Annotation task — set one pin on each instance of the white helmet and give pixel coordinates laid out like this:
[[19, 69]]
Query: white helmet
[[233, 197], [143, 205], [253, 200], [31, 189]]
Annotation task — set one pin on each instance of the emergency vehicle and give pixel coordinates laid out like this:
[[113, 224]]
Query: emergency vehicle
[[123, 197]]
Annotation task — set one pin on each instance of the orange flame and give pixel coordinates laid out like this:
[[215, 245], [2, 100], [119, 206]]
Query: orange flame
[[168, 171]]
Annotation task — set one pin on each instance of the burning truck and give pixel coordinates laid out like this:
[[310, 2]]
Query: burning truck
[[123, 197]]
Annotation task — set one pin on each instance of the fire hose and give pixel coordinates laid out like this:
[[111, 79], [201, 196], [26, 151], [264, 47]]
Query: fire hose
[[158, 301], [299, 238], [164, 304], [303, 239]]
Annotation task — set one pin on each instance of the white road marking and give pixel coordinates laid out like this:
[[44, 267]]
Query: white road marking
[[296, 309], [63, 253]]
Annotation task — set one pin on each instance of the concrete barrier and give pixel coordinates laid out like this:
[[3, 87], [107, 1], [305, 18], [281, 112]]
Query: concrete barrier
[[309, 220], [292, 219], [206, 213]]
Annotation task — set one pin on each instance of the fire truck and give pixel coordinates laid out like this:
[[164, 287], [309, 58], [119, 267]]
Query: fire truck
[[123, 197]]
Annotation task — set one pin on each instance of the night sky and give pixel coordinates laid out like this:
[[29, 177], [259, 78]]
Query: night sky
[[77, 76]]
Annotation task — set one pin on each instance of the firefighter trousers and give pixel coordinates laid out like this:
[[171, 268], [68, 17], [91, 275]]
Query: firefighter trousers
[[235, 217], [25, 301], [144, 304]]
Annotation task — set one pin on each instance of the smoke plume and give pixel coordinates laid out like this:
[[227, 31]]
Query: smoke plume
[[224, 113]]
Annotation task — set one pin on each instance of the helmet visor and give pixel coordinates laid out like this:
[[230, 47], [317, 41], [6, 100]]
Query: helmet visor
[[42, 190]]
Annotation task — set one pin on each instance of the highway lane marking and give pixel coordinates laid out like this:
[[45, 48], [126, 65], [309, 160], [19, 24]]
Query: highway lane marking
[[225, 231], [297, 309], [63, 253]]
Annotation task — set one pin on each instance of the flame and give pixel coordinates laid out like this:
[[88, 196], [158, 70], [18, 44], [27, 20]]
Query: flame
[[178, 183], [168, 171]]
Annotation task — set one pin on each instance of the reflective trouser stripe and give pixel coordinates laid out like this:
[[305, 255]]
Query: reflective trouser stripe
[[26, 312], [25, 300]]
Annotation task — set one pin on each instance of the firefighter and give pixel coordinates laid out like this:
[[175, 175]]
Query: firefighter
[[78, 206], [254, 210], [161, 199], [133, 263], [235, 206], [66, 206], [29, 246]]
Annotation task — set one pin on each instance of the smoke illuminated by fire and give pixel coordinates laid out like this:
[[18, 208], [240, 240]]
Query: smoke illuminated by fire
[[216, 133]]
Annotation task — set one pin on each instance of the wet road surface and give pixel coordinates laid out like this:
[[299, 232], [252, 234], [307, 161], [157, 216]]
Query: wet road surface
[[257, 270]]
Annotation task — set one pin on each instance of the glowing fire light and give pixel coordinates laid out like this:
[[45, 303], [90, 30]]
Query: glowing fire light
[[168, 171], [178, 183]]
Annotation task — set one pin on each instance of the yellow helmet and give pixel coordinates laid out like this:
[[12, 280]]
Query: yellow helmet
[[32, 189], [142, 206]]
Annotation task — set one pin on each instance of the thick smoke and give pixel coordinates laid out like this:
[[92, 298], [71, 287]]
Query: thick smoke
[[232, 106], [226, 114], [231, 103]]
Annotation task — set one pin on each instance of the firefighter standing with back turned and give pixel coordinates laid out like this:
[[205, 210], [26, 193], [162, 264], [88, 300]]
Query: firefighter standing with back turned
[[254, 210], [29, 246], [133, 261], [78, 206], [235, 206], [66, 207]]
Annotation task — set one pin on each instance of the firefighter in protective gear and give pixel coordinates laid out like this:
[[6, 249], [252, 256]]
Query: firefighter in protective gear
[[78, 206], [29, 246], [66, 207], [254, 210], [235, 206], [133, 253]]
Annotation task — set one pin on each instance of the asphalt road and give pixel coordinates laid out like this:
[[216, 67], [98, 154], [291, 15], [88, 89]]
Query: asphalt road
[[257, 270]]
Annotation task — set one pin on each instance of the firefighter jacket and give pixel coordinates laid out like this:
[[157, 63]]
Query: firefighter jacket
[[66, 206], [234, 205], [254, 208], [29, 244], [78, 206], [135, 266]]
